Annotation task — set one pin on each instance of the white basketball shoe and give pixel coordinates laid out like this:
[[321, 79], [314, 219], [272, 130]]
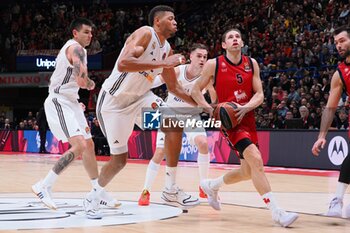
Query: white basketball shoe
[[284, 218], [178, 197], [44, 194], [213, 194], [335, 208], [108, 200], [91, 205]]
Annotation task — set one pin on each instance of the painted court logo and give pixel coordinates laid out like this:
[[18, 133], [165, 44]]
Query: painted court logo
[[28, 213], [337, 150]]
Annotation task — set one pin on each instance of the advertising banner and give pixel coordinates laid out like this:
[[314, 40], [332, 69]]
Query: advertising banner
[[25, 79], [278, 148], [48, 62]]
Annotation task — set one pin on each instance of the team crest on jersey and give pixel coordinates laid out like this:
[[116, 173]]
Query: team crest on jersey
[[154, 105], [247, 67], [154, 45], [223, 67], [164, 55], [240, 95]]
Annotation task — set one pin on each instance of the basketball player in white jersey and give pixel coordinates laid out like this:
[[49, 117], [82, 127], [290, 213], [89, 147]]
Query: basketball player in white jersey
[[146, 53], [65, 114], [187, 75]]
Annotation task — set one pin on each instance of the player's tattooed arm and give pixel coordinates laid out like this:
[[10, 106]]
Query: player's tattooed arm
[[63, 162], [80, 71], [79, 68]]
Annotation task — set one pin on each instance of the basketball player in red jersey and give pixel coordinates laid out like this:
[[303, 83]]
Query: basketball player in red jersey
[[340, 82], [236, 79]]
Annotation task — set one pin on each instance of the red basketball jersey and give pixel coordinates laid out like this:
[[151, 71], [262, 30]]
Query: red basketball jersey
[[234, 82], [344, 72]]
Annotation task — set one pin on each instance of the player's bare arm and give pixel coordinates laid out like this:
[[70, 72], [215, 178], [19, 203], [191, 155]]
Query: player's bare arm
[[158, 80], [206, 78], [328, 112], [170, 78], [256, 99], [135, 46], [76, 55], [212, 93]]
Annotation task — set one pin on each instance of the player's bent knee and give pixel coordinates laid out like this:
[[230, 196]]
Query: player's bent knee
[[90, 144], [118, 161], [202, 145]]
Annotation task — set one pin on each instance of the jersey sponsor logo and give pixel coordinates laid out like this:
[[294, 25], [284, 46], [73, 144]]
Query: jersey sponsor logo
[[240, 95], [29, 213], [147, 75], [177, 99], [337, 150]]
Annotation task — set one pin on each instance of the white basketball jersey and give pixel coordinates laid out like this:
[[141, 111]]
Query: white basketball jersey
[[62, 81], [187, 85], [130, 86]]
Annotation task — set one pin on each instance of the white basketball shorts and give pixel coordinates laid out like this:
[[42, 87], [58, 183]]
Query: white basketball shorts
[[118, 124], [65, 118]]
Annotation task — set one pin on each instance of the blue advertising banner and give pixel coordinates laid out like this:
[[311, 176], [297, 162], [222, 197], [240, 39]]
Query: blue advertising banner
[[48, 63], [32, 139]]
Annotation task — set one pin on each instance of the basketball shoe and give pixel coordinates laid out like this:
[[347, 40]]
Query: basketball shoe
[[284, 218], [91, 206], [347, 211], [44, 194], [107, 200], [202, 193], [213, 197], [335, 208], [178, 197], [144, 198]]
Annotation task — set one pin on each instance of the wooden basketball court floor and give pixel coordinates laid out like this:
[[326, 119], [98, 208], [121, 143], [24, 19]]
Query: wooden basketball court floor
[[303, 191]]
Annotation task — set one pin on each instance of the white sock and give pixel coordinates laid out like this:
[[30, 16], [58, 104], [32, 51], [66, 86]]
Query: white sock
[[50, 179], [151, 174], [170, 177], [203, 162], [270, 201], [217, 183], [341, 189], [96, 186]]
